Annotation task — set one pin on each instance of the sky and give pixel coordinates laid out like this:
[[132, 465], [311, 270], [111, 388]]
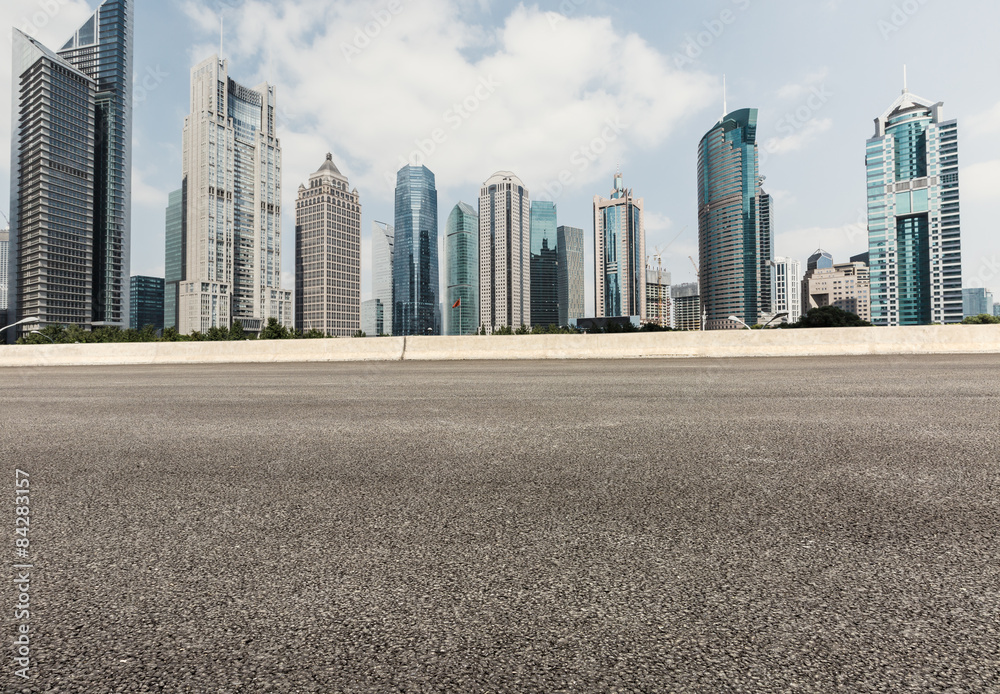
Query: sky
[[563, 93]]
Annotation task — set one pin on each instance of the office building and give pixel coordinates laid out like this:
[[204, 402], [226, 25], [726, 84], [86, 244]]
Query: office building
[[328, 254], [914, 234], [373, 313], [845, 285], [4, 249], [862, 258], [504, 252], [102, 49], [462, 277], [767, 299], [996, 310], [231, 172], [733, 246], [687, 306], [976, 301], [786, 281], [619, 253], [544, 264], [416, 302], [145, 302], [53, 154], [659, 307], [382, 246], [569, 242], [820, 260], [175, 253]]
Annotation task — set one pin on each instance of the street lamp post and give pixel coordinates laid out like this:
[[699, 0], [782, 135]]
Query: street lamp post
[[37, 332], [737, 320], [33, 319]]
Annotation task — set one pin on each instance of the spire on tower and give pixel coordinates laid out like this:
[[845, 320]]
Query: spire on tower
[[725, 108], [906, 89]]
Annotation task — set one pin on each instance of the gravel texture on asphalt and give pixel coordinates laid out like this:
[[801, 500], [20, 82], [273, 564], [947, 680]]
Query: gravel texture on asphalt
[[761, 525]]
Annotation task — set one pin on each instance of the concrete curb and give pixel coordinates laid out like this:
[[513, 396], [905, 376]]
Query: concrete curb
[[965, 339]]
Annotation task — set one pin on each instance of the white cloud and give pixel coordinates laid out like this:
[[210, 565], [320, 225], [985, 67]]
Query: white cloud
[[797, 139], [799, 90], [980, 182], [987, 123], [539, 103]]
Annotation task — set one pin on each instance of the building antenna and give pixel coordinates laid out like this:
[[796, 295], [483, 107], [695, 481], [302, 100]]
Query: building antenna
[[906, 88], [222, 31]]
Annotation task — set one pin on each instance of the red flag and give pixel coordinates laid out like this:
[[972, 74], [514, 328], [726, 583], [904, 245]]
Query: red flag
[[457, 304]]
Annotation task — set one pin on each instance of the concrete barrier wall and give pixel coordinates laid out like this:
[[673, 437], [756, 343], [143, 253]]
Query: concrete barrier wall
[[955, 339]]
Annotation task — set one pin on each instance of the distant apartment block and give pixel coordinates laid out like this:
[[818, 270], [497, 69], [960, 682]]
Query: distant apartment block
[[687, 306], [373, 314], [846, 286], [145, 302], [976, 301], [4, 255], [569, 241], [328, 254], [787, 288]]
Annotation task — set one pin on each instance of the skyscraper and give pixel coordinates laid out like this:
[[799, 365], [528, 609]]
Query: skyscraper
[[820, 260], [145, 302], [102, 49], [569, 241], [914, 234], [4, 250], [53, 150], [504, 252], [619, 253], [544, 264], [382, 247], [232, 177], [731, 243], [767, 299], [787, 288], [415, 253], [174, 240], [328, 254], [462, 249]]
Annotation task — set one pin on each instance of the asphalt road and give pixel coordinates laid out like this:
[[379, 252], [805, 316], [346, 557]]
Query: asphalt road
[[769, 525]]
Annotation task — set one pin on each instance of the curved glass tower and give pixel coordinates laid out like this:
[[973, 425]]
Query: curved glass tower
[[415, 253], [462, 243], [914, 234], [730, 241]]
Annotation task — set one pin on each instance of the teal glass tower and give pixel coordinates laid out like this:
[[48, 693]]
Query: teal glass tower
[[619, 253], [544, 264], [145, 302], [176, 251], [462, 248], [731, 243], [415, 254], [569, 241], [914, 230]]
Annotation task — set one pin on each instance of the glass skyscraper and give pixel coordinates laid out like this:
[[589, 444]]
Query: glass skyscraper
[[102, 49], [415, 253], [731, 241], [176, 251], [544, 264], [768, 300], [619, 254], [4, 249], [382, 247], [914, 234], [569, 241], [462, 249], [145, 302]]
